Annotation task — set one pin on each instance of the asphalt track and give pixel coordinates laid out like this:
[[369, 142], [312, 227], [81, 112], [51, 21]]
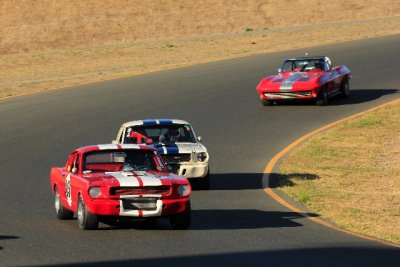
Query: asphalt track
[[235, 223]]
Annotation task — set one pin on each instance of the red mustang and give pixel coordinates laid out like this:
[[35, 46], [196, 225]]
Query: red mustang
[[109, 181], [305, 78]]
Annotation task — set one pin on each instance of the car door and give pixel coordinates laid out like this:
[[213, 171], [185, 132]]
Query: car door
[[68, 175], [335, 81]]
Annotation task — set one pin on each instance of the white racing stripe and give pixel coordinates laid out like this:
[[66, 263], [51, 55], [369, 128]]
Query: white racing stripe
[[148, 179], [139, 179], [108, 146], [125, 179], [136, 179]]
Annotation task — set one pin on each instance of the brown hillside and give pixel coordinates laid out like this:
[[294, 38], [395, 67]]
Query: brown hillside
[[27, 25]]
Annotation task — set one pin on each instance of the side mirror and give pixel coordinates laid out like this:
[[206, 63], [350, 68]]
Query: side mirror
[[74, 170], [279, 70], [199, 138]]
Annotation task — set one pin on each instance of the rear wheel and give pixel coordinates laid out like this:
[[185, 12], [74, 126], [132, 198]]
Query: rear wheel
[[181, 221], [345, 87], [86, 220], [61, 212], [322, 98], [267, 102]]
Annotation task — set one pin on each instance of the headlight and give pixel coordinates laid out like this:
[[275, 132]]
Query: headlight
[[183, 189], [202, 156], [94, 192]]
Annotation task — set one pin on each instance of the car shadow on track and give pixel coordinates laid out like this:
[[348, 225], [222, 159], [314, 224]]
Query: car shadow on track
[[248, 181], [231, 216], [220, 219], [7, 237], [234, 181], [240, 219], [356, 96], [333, 256]]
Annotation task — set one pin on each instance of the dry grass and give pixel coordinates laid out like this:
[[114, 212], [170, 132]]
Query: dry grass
[[53, 44], [37, 71], [27, 25], [357, 171]]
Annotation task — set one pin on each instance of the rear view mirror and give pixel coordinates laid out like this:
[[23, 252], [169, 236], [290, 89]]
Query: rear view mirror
[[74, 170], [199, 138], [169, 168], [279, 70]]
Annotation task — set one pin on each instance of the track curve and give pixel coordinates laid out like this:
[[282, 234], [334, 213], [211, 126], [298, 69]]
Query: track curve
[[234, 223]]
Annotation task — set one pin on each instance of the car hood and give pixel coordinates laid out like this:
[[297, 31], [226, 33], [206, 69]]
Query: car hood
[[137, 178], [180, 148], [290, 81]]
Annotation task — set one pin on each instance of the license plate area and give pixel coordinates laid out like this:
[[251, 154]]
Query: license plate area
[[140, 203]]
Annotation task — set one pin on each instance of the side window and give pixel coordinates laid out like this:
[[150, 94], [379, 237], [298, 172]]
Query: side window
[[120, 136], [75, 164], [328, 63]]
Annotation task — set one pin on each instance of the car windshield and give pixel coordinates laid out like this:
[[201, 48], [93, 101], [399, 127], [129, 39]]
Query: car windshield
[[153, 134], [122, 160], [303, 64]]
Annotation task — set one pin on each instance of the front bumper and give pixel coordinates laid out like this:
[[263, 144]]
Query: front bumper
[[288, 95], [109, 207], [193, 170]]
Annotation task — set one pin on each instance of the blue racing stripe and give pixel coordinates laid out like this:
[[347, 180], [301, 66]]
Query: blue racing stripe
[[165, 122], [149, 122], [160, 150], [172, 149]]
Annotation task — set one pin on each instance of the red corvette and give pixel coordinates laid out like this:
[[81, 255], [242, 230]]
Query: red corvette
[[111, 181], [305, 78]]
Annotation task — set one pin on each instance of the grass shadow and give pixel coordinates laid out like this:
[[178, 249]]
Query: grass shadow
[[287, 180]]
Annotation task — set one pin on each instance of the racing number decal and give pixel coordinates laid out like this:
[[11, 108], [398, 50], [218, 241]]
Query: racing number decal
[[68, 189]]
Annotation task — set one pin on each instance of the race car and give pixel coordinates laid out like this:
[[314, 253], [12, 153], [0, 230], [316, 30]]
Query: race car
[[176, 141], [305, 78], [104, 183]]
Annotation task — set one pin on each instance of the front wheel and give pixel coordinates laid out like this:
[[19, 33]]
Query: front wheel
[[322, 98], [181, 221], [61, 212], [86, 220]]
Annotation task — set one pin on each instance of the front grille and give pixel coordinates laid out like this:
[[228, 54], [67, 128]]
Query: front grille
[[176, 158], [147, 190], [139, 203], [288, 94]]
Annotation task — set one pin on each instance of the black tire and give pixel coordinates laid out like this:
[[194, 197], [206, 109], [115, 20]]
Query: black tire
[[204, 183], [345, 88], [181, 221], [61, 212], [322, 98], [267, 102], [86, 220]]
